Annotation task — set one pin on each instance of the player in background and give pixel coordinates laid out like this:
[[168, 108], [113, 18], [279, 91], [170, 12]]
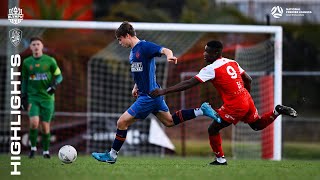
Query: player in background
[[234, 85], [40, 77], [142, 60]]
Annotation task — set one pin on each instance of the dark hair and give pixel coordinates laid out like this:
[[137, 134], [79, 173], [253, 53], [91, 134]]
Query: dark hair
[[36, 38], [215, 45], [124, 29]]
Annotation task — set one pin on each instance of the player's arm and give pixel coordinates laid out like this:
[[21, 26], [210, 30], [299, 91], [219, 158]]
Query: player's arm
[[246, 80], [169, 54], [56, 80], [183, 85], [135, 91]]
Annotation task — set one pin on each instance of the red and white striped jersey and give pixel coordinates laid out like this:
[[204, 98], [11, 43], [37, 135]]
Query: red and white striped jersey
[[225, 75]]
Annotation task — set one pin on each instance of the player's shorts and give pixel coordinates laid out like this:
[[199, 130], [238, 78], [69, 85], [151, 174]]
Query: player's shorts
[[244, 110], [145, 105], [42, 108]]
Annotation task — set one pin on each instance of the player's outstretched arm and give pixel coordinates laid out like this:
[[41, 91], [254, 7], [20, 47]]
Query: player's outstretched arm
[[183, 85], [169, 54], [247, 81]]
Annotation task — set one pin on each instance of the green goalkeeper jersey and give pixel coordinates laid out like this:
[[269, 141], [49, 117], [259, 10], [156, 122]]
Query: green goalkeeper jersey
[[37, 76]]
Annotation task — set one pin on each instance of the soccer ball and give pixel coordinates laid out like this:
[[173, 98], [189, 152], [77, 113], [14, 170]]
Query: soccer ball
[[67, 154]]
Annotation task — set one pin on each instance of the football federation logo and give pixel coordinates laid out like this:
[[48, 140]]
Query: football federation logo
[[15, 15], [15, 36], [277, 11]]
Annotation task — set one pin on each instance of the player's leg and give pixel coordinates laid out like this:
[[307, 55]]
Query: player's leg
[[163, 114], [285, 110], [258, 123], [216, 141], [210, 112], [33, 135], [123, 123], [140, 109], [46, 112], [45, 139], [178, 117], [33, 112]]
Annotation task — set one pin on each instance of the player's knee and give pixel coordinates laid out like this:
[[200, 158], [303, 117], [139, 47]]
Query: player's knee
[[34, 125], [168, 123], [255, 127], [212, 129], [121, 124]]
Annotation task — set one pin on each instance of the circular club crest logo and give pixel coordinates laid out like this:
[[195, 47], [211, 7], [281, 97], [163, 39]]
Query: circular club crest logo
[[277, 11]]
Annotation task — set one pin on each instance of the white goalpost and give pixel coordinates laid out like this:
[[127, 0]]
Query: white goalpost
[[172, 34]]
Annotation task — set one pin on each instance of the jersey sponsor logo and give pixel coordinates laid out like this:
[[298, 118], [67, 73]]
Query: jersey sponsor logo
[[38, 77], [136, 67]]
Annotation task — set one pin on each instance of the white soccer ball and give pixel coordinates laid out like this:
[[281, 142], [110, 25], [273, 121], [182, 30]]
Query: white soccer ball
[[67, 154]]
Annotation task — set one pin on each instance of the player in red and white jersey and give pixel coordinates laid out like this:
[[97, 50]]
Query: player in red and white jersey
[[226, 77], [233, 85]]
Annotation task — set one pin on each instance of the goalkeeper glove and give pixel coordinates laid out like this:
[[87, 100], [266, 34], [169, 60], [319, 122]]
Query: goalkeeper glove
[[52, 88], [24, 102]]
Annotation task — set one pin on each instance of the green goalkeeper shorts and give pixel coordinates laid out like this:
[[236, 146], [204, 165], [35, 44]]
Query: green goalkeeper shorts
[[42, 108]]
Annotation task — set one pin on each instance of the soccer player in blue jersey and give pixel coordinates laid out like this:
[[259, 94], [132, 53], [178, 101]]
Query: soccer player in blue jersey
[[142, 60]]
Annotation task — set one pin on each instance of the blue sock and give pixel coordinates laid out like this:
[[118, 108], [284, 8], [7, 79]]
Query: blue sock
[[119, 139], [183, 115]]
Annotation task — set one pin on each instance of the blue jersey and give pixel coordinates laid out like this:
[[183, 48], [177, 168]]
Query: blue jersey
[[143, 65]]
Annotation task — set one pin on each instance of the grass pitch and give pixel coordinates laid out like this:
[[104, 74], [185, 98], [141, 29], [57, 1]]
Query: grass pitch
[[153, 168]]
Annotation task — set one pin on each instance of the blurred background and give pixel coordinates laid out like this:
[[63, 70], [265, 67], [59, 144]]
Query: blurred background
[[97, 79]]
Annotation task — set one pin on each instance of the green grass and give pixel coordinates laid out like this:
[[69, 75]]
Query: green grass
[[295, 150], [200, 148], [290, 150], [153, 168]]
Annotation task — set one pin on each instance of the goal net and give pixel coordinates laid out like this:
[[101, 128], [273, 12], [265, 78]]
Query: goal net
[[258, 59], [97, 84]]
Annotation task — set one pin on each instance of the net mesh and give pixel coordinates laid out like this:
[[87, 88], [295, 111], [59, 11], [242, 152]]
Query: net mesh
[[258, 60]]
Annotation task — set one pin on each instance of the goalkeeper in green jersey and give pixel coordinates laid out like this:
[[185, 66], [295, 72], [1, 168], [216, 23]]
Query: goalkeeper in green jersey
[[40, 77]]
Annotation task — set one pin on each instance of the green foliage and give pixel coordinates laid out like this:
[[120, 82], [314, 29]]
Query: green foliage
[[135, 11], [185, 11], [308, 33], [204, 11], [193, 11], [51, 10]]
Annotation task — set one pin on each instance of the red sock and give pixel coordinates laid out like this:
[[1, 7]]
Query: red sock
[[215, 143], [265, 120]]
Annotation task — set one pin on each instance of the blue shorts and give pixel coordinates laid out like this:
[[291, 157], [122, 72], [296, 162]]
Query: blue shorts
[[145, 105]]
